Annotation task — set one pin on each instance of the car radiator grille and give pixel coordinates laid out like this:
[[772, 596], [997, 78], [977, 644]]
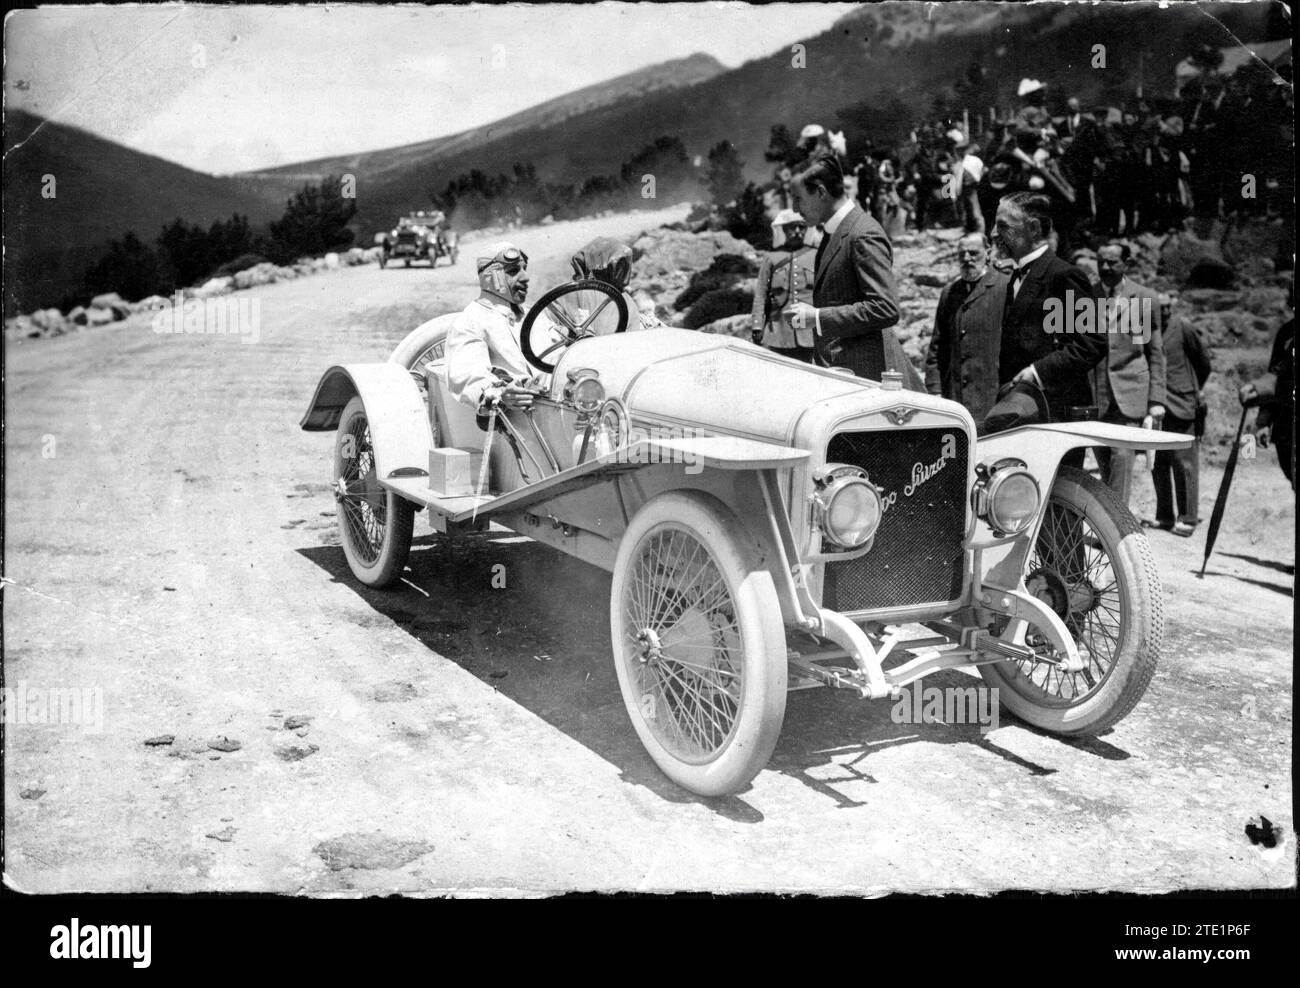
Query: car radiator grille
[[917, 557]]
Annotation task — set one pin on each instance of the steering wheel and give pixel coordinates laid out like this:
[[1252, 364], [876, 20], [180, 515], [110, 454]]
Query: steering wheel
[[564, 327]]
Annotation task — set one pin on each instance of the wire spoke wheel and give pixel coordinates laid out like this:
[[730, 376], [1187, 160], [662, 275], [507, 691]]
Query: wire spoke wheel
[[689, 672], [363, 506], [1092, 565], [1073, 573], [375, 524], [699, 646]]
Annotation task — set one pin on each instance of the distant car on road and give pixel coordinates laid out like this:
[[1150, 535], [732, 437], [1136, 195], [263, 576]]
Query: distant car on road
[[420, 236]]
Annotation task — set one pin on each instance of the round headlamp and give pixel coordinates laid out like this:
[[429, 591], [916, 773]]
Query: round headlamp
[[848, 508], [584, 390], [1006, 496]]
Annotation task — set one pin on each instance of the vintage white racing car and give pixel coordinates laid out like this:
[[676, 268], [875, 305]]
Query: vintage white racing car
[[768, 524]]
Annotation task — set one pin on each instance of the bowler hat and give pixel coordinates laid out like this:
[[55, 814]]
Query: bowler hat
[[1018, 403]]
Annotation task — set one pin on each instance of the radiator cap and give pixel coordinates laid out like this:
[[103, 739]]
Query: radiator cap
[[891, 380]]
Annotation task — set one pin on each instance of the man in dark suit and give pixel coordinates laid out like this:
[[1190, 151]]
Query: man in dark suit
[[1176, 473], [853, 304], [1038, 343], [1129, 381], [961, 363]]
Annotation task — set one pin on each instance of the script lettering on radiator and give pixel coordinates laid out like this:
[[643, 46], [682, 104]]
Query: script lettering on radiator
[[924, 472]]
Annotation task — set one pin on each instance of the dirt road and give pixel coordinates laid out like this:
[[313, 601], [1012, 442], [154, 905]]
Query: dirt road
[[171, 544]]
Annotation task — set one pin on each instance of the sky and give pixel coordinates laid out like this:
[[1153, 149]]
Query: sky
[[227, 89]]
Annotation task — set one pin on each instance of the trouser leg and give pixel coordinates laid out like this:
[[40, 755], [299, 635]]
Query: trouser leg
[[1162, 476], [1177, 477], [1189, 487]]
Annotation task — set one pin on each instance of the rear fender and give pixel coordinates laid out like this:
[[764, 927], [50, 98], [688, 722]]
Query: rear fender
[[399, 419]]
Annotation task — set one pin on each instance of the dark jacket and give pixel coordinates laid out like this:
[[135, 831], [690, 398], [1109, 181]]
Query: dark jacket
[[1278, 408], [962, 360], [1187, 365], [1063, 360], [854, 291], [1134, 368]]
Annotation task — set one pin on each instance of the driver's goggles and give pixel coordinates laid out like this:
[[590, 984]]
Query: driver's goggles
[[512, 261]]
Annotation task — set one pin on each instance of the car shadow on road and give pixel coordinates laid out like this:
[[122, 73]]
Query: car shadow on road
[[534, 625]]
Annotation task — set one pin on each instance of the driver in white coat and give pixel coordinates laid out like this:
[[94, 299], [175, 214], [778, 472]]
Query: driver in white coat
[[485, 365]]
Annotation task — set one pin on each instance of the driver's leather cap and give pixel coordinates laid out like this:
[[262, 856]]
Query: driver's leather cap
[[500, 253]]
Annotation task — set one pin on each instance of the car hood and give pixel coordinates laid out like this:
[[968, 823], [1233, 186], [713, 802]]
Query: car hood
[[693, 380]]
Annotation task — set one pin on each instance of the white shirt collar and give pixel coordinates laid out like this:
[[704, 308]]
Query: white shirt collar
[[1033, 255], [832, 224], [498, 305]]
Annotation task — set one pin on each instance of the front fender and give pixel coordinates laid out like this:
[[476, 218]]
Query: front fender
[[399, 419], [1041, 447]]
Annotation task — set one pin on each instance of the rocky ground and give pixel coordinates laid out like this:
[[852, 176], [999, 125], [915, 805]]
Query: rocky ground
[[269, 725]]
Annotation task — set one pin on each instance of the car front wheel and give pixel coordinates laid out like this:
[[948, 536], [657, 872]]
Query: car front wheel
[[1092, 564], [699, 645], [375, 524]]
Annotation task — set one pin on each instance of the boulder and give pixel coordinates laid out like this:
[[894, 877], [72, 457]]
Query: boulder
[[1268, 301], [98, 316], [930, 278], [737, 326], [1211, 299], [79, 315], [331, 260], [50, 322], [1181, 253], [662, 253], [151, 304], [1210, 272], [113, 304], [21, 326], [354, 256], [214, 286]]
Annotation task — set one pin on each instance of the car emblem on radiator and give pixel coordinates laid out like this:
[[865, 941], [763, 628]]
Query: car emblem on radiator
[[900, 415]]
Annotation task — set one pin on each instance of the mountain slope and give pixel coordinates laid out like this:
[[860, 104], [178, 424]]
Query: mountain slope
[[667, 76], [101, 190], [893, 50]]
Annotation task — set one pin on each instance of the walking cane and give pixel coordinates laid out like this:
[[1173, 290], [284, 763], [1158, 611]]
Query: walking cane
[[1216, 516]]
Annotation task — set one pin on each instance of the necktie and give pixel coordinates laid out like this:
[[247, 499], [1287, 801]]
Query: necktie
[[1016, 277], [821, 249]]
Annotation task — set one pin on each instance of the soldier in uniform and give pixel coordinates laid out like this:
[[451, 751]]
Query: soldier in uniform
[[1032, 119], [785, 276]]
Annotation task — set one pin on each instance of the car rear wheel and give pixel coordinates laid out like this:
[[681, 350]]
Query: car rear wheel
[[1093, 565], [699, 645], [375, 524], [424, 344]]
